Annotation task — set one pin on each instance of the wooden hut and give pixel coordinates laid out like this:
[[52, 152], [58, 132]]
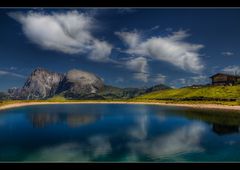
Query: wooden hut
[[224, 79]]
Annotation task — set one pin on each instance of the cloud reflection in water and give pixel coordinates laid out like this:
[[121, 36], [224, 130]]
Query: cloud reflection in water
[[184, 140], [95, 147]]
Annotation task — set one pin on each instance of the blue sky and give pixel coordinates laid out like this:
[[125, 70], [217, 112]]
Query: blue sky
[[126, 47]]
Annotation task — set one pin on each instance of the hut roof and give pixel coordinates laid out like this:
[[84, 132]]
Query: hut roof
[[226, 74]]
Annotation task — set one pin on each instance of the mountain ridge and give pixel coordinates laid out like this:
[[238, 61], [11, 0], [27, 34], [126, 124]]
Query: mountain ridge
[[75, 84]]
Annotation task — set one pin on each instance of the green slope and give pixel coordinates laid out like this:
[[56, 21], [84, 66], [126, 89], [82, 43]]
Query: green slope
[[201, 93], [110, 92]]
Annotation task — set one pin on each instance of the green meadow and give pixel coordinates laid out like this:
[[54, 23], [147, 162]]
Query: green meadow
[[208, 94]]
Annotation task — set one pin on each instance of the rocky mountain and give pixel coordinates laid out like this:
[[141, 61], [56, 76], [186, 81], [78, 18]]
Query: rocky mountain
[[78, 83], [75, 84], [41, 84]]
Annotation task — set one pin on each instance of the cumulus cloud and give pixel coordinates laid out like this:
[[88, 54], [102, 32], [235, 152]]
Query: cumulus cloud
[[132, 39], [139, 66], [69, 32], [227, 53], [2, 73], [172, 49], [235, 70], [101, 51]]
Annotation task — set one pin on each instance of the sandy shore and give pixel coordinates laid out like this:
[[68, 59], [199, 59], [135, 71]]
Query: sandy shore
[[197, 106]]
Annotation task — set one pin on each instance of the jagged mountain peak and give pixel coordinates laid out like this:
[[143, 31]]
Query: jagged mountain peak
[[75, 84]]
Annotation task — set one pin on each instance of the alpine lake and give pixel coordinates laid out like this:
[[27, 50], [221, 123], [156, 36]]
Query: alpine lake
[[118, 133]]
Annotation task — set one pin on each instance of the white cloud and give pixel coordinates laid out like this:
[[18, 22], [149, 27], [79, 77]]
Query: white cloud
[[2, 73], [227, 53], [159, 78], [140, 66], [68, 32], [172, 49], [101, 51], [137, 64], [235, 70], [132, 39]]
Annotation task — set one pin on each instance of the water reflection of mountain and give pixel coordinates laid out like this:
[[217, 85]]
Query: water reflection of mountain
[[223, 122], [211, 116], [223, 129], [41, 120], [75, 120]]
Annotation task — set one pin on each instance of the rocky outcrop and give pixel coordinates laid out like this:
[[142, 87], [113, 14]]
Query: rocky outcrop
[[75, 84], [42, 84], [78, 83]]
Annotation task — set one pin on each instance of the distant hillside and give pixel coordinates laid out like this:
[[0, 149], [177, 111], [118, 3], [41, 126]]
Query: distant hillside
[[221, 93], [4, 96], [157, 88], [110, 92]]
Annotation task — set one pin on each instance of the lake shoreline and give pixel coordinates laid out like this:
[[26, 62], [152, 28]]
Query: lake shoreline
[[196, 106]]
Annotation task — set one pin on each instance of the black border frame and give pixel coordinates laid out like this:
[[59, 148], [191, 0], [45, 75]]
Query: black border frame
[[120, 3]]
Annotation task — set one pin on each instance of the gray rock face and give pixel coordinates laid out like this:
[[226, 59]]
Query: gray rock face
[[80, 83], [15, 93], [40, 84], [75, 84]]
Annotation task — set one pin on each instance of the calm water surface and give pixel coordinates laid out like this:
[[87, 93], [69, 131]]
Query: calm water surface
[[119, 133]]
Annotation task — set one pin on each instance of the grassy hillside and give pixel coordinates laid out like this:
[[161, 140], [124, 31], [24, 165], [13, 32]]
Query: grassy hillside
[[210, 93], [110, 92], [227, 95]]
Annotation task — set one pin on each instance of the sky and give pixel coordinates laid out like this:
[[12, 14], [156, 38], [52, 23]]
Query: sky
[[126, 47]]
